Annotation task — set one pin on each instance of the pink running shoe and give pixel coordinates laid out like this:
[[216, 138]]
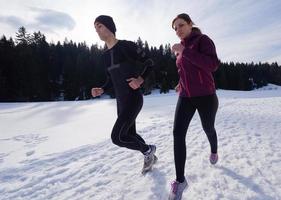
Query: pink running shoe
[[177, 189], [214, 158]]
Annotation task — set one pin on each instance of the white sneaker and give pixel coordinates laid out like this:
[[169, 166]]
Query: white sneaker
[[149, 159]]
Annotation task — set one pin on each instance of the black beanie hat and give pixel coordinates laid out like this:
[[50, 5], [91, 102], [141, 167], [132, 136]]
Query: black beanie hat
[[107, 21]]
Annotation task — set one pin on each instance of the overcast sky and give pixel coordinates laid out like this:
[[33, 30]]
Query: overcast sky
[[244, 31]]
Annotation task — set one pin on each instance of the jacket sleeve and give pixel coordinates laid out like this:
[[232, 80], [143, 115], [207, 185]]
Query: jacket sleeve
[[206, 58], [139, 54], [108, 83]]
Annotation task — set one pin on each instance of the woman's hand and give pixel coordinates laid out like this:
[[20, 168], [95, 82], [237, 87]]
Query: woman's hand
[[177, 88], [177, 48], [97, 92], [135, 83]]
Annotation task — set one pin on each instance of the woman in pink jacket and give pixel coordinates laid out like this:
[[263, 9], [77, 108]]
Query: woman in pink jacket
[[196, 60]]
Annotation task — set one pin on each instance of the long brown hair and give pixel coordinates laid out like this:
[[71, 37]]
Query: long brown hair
[[186, 18]]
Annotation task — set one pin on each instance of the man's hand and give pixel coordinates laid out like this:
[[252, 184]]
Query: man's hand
[[135, 83], [97, 92]]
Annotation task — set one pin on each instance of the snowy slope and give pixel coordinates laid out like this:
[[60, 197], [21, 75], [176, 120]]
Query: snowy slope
[[62, 150]]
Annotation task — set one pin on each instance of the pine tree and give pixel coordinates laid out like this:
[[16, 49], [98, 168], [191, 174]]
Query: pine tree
[[22, 37]]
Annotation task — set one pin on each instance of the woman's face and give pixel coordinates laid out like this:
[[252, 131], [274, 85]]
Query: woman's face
[[182, 28], [102, 31]]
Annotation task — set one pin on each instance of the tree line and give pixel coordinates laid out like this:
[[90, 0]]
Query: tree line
[[31, 69]]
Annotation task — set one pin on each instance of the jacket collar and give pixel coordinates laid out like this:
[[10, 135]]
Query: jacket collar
[[194, 33]]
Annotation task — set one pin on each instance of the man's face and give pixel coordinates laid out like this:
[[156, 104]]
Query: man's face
[[102, 31]]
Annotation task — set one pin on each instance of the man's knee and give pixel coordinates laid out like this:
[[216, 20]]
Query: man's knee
[[209, 130], [115, 139]]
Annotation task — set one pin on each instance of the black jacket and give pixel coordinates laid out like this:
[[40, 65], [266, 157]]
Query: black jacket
[[121, 63]]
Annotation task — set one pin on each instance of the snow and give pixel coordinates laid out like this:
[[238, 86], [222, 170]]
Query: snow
[[62, 150]]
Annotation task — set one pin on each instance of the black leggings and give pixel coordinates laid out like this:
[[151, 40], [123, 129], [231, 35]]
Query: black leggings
[[124, 130], [207, 108]]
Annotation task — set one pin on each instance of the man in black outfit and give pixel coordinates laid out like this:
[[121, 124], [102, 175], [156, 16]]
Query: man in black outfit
[[122, 74]]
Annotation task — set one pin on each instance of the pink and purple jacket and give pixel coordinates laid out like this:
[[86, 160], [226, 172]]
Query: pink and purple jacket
[[196, 64]]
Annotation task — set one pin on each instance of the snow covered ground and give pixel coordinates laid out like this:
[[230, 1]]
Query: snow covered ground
[[62, 150]]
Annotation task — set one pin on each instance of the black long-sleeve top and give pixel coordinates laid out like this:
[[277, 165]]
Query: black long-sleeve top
[[120, 62]]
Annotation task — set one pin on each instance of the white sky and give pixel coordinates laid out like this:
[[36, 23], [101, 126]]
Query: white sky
[[243, 31]]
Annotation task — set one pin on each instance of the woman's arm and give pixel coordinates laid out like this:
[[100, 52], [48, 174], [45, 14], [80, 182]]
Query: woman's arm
[[206, 58]]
